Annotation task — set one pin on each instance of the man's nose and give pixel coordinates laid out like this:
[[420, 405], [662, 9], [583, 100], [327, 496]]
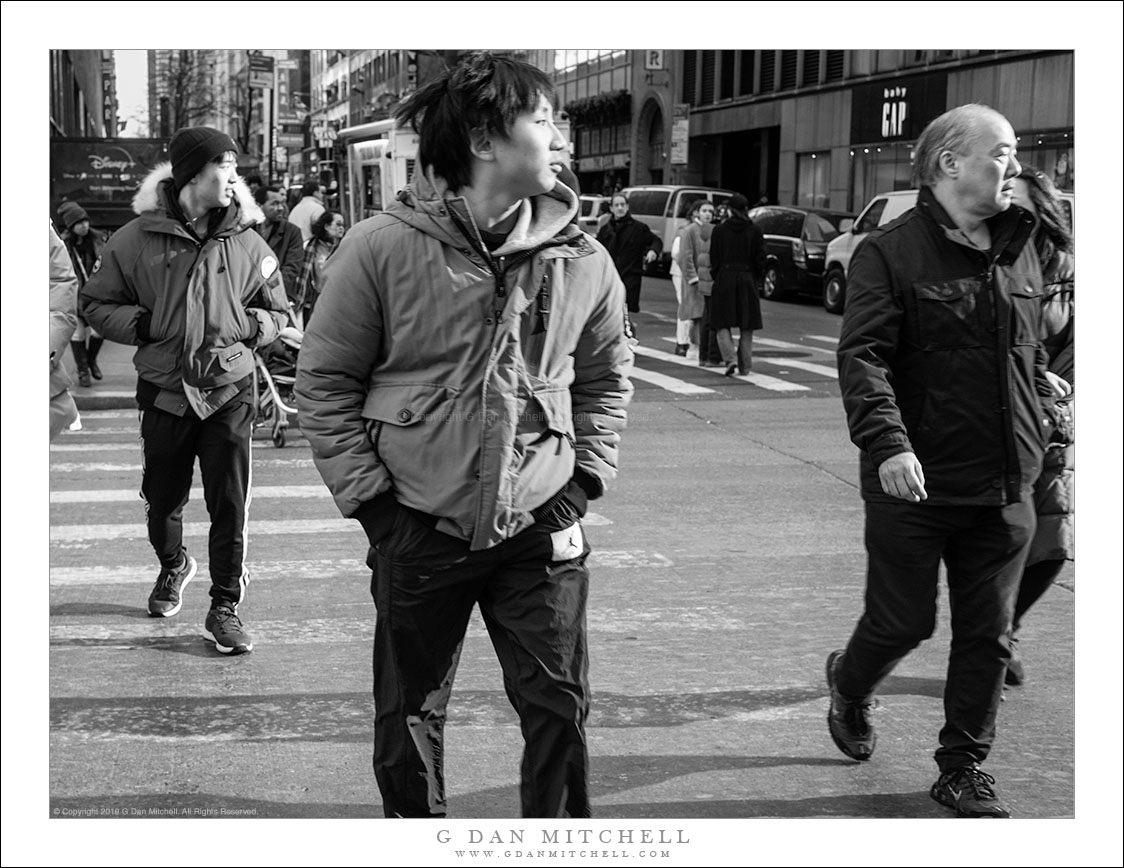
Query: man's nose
[[1013, 168]]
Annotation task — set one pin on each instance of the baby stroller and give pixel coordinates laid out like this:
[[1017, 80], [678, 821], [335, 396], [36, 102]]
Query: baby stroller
[[275, 371]]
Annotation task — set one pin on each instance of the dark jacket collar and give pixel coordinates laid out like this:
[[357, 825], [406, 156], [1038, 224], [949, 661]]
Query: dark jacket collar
[[1010, 229]]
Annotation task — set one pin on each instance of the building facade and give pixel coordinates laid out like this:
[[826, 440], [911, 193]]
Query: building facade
[[832, 128], [83, 98]]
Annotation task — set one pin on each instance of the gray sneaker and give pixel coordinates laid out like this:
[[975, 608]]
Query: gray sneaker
[[167, 594], [848, 719], [225, 629]]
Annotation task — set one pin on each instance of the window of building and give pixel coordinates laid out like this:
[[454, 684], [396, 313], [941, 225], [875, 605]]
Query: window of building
[[834, 66], [726, 90], [768, 71], [745, 74], [813, 179], [690, 69], [811, 76], [709, 61], [788, 69], [879, 169], [1049, 152]]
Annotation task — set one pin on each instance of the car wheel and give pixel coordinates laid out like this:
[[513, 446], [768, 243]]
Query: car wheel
[[834, 291], [771, 284]]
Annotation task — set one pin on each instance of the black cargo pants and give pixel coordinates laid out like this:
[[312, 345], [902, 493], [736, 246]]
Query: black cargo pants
[[221, 442], [984, 549], [532, 593]]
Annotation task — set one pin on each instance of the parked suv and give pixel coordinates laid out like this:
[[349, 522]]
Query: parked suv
[[590, 209], [882, 209], [879, 211], [795, 242], [664, 207]]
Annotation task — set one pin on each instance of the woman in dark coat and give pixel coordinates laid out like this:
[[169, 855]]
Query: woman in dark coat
[[1053, 490], [737, 261], [631, 244]]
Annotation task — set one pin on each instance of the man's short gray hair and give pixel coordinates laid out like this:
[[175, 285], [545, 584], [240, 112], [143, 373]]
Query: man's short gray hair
[[955, 131]]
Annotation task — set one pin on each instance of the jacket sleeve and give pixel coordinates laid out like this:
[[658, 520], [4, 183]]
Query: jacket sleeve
[[601, 389], [655, 243], [264, 297], [64, 297], [688, 256], [716, 251], [868, 342], [339, 350], [293, 261], [108, 300]]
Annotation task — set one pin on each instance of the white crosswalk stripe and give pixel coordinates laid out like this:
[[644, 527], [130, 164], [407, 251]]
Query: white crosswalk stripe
[[773, 384]]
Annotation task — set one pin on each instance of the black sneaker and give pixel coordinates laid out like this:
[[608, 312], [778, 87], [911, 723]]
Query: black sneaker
[[225, 629], [848, 720], [970, 791], [167, 594]]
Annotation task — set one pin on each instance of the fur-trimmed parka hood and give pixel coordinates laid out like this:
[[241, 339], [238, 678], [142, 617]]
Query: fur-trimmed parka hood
[[148, 197]]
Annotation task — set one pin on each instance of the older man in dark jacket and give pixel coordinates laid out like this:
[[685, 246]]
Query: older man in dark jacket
[[943, 379]]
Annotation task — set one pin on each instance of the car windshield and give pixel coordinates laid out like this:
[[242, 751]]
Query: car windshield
[[823, 227]]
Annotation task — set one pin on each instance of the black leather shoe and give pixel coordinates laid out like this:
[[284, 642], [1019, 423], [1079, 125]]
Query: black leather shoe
[[848, 720]]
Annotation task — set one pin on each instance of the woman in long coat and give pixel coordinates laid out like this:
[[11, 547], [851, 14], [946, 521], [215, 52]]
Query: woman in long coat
[[694, 260], [737, 261]]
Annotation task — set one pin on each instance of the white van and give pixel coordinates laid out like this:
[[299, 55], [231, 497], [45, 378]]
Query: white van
[[664, 208], [882, 209]]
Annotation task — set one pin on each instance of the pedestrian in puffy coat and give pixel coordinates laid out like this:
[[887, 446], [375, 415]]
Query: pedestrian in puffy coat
[[195, 289], [737, 261], [632, 245], [64, 319], [463, 387], [1052, 545]]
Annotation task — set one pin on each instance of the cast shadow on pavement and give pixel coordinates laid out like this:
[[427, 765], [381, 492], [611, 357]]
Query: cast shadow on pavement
[[192, 644], [71, 610]]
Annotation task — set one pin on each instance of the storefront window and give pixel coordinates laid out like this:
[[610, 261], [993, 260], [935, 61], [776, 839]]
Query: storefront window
[[879, 169], [813, 180], [1050, 152]]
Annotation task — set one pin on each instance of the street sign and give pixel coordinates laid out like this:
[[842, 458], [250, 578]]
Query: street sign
[[261, 71], [680, 132], [653, 58]]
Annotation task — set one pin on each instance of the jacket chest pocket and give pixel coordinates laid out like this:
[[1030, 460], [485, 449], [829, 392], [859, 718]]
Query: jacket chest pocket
[[1026, 315], [950, 313]]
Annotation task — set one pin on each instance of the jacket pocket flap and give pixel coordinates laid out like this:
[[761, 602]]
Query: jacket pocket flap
[[407, 404], [557, 410], [946, 290]]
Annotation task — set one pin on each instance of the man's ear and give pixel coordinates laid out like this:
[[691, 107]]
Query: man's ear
[[949, 163], [480, 143]]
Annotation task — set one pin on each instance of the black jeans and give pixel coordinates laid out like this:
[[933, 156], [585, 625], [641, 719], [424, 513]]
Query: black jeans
[[984, 549], [222, 444], [532, 592]]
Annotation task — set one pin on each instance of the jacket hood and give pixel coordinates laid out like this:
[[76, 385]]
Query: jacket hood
[[429, 205], [148, 197], [737, 223]]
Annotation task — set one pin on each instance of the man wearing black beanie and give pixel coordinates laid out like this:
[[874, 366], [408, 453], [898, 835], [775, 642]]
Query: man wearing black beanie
[[195, 291]]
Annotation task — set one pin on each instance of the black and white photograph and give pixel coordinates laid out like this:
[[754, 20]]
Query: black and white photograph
[[630, 454]]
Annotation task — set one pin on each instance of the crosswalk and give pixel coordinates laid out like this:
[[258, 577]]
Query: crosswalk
[[780, 367], [99, 549]]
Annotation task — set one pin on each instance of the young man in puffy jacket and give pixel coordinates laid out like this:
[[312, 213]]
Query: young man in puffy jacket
[[943, 377], [463, 387], [195, 289]]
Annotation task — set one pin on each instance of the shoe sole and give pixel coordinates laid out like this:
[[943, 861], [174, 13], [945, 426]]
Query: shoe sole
[[839, 743], [226, 649], [943, 798], [184, 584]]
